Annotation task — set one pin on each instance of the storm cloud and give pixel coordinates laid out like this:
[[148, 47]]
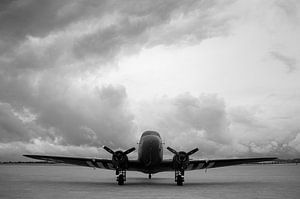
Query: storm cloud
[[58, 94]]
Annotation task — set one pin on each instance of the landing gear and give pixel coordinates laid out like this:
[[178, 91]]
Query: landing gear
[[179, 177], [121, 177], [149, 176]]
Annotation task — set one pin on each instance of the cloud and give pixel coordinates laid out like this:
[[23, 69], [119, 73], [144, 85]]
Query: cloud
[[55, 57], [13, 151], [206, 113], [186, 121], [72, 114], [289, 8], [259, 133], [289, 62], [217, 129], [40, 35], [243, 116], [11, 127], [52, 54]]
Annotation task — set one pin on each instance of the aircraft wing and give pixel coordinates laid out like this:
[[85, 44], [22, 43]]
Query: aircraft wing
[[207, 164], [134, 165], [167, 165], [88, 162]]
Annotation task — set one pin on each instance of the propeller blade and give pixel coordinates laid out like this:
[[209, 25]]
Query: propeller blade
[[108, 150], [172, 150], [129, 150], [193, 151]]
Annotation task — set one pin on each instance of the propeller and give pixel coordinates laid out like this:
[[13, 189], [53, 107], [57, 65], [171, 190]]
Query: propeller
[[119, 158], [108, 150], [181, 158]]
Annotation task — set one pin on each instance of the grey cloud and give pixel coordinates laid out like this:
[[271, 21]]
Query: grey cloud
[[204, 113], [104, 114], [289, 7], [146, 23], [13, 151], [289, 62], [137, 24], [137, 17], [203, 21], [184, 121], [243, 116], [105, 119], [187, 121], [43, 53], [273, 148], [39, 18], [62, 112], [11, 127], [257, 134], [47, 47], [217, 130]]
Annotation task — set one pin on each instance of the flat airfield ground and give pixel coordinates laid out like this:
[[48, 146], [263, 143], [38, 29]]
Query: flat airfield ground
[[249, 181]]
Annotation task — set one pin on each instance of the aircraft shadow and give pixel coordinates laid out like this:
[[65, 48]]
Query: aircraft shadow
[[142, 182]]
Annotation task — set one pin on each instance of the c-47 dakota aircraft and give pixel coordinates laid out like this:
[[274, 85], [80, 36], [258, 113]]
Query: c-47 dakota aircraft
[[150, 160]]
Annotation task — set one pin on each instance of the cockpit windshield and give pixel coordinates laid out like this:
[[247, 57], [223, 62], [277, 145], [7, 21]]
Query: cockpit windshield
[[150, 133]]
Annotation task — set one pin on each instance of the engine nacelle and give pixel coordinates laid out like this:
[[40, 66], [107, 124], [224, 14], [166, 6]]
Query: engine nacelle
[[120, 160], [181, 160]]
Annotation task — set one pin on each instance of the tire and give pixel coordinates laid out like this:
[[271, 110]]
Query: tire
[[120, 180], [179, 180]]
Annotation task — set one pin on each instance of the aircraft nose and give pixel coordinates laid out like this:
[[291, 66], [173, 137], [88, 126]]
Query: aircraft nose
[[151, 142], [151, 149]]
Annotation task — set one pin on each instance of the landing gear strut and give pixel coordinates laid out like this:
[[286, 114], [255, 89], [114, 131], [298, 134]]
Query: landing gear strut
[[179, 177], [121, 177]]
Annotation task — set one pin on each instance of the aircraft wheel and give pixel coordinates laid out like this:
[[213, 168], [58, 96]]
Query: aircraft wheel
[[120, 179], [179, 180]]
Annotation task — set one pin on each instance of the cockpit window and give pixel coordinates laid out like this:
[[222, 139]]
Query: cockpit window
[[151, 133]]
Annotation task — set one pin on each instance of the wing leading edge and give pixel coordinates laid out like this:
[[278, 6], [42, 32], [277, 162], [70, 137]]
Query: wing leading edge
[[88, 162], [207, 164], [133, 165]]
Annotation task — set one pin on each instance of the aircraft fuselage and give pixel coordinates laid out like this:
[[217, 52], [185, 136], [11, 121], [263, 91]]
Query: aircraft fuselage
[[150, 151]]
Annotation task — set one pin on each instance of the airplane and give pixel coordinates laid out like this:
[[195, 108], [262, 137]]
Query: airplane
[[150, 160]]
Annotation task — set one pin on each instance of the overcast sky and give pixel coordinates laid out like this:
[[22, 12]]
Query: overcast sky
[[223, 76]]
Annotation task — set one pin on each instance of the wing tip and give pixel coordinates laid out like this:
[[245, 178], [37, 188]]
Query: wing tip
[[33, 156]]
